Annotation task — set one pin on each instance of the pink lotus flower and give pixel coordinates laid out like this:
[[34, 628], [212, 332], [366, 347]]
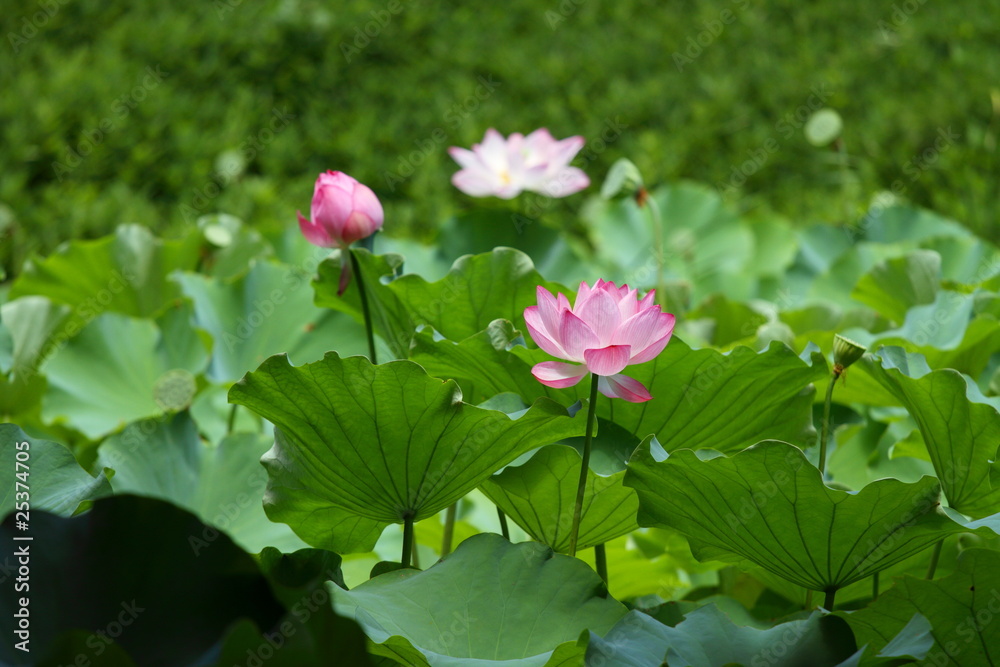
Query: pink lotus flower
[[504, 168], [343, 211], [607, 329]]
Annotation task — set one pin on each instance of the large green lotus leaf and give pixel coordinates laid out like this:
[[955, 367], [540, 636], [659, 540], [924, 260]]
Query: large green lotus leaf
[[223, 484], [708, 638], [49, 474], [769, 505], [894, 286], [488, 602], [836, 284], [265, 312], [477, 290], [125, 272], [962, 609], [230, 246], [892, 224], [121, 369], [126, 567], [724, 322], [959, 426], [385, 442], [32, 323], [540, 495], [701, 398], [390, 318]]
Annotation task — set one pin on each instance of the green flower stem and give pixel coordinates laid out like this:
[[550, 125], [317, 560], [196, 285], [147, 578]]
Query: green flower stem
[[364, 305], [503, 524], [574, 534], [825, 426], [449, 529], [874, 586], [831, 593], [407, 540], [809, 599], [601, 562], [935, 555], [232, 420]]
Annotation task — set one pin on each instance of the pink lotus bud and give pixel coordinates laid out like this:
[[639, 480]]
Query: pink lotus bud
[[343, 211], [607, 329], [504, 168]]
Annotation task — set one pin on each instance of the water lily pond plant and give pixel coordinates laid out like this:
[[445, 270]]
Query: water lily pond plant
[[677, 435]]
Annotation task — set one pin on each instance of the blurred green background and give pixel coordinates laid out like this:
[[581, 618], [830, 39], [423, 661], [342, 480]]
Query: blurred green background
[[157, 113]]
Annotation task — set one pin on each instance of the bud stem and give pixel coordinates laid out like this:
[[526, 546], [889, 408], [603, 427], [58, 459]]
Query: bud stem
[[825, 426], [503, 524], [360, 279], [584, 465]]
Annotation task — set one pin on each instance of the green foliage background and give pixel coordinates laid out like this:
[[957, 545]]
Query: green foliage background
[[899, 73]]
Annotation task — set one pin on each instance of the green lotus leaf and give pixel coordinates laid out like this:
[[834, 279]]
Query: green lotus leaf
[[488, 602], [223, 484], [959, 426], [267, 311], [48, 477], [962, 610], [386, 443], [125, 272], [894, 286], [540, 494], [769, 505], [121, 369]]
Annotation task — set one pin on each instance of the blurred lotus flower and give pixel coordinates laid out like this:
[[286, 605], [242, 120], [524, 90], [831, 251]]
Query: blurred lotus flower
[[343, 211], [506, 167], [607, 329]]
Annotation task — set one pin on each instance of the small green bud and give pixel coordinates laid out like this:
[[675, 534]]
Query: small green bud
[[623, 180], [846, 351]]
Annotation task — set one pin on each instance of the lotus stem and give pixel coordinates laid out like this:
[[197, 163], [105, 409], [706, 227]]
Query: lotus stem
[[449, 529], [935, 555], [359, 278], [825, 426], [584, 466], [503, 524], [601, 562], [831, 593], [407, 539]]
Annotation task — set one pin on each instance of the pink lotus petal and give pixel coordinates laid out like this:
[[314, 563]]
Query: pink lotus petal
[[558, 375], [622, 386], [564, 151], [548, 310], [541, 334], [314, 233], [575, 336], [464, 157], [601, 312], [653, 349], [608, 360], [473, 182], [643, 328]]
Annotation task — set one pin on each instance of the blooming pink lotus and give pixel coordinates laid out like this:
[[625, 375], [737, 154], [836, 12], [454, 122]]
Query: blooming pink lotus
[[343, 211], [607, 329], [504, 168]]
